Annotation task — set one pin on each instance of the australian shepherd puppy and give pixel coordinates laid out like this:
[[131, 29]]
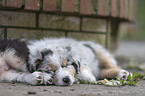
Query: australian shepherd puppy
[[67, 60], [14, 66]]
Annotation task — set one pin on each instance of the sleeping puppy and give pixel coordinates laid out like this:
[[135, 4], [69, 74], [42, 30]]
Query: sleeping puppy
[[14, 64], [69, 60]]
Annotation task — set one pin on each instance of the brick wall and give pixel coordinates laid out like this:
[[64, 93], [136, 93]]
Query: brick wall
[[31, 19], [27, 19]]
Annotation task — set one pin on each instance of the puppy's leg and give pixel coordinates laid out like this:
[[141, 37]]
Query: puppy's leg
[[112, 73], [108, 64], [109, 73], [35, 78]]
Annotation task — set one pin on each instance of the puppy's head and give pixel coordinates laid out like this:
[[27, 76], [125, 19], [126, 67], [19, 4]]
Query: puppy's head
[[59, 62], [45, 60]]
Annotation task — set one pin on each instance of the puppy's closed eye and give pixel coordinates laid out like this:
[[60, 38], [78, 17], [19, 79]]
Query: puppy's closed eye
[[37, 63]]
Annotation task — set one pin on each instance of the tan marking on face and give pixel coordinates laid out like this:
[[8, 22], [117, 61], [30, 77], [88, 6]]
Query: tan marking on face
[[82, 68], [64, 63], [71, 71], [52, 67], [37, 62]]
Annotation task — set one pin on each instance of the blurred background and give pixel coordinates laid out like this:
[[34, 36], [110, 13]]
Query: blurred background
[[131, 48], [138, 33]]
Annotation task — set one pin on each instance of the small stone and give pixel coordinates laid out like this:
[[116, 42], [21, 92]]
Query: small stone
[[72, 89], [57, 92], [31, 92], [44, 90]]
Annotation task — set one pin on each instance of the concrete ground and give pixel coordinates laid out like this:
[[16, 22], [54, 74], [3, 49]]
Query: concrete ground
[[19, 89], [130, 52]]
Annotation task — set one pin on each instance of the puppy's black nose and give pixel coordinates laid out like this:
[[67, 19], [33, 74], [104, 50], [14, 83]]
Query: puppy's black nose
[[66, 79]]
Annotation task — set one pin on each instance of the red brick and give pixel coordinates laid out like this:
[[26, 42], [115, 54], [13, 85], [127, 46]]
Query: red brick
[[85, 6], [114, 8], [102, 9], [49, 5], [68, 5], [121, 8], [32, 4], [14, 3]]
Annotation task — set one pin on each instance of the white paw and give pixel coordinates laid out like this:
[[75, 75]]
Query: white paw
[[36, 78], [91, 80], [123, 74], [47, 79], [87, 76]]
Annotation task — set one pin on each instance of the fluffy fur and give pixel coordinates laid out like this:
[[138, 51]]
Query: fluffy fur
[[73, 60], [56, 61]]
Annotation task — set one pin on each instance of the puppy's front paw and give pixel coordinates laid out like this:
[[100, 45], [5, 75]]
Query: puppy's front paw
[[87, 76], [123, 74], [47, 79], [36, 78]]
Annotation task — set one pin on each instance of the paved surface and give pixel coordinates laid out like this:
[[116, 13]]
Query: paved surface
[[127, 49], [8, 89]]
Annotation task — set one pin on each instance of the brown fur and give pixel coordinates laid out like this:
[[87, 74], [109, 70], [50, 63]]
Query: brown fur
[[105, 61], [109, 73], [107, 68]]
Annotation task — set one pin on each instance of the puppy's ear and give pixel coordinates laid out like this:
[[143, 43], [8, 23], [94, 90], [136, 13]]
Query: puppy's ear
[[77, 66], [38, 58], [41, 56], [37, 61], [43, 53], [46, 52]]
